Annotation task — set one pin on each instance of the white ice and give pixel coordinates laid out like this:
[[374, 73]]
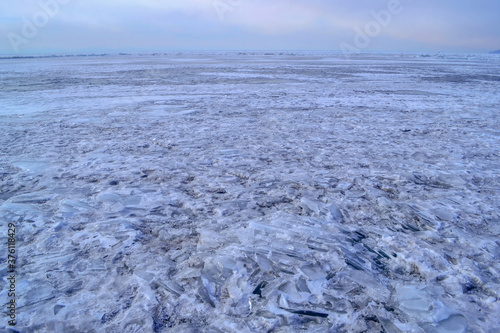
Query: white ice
[[227, 192]]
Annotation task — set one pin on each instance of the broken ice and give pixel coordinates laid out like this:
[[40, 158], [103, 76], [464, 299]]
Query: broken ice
[[225, 192]]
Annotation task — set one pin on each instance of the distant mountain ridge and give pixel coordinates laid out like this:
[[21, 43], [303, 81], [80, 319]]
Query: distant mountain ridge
[[495, 52]]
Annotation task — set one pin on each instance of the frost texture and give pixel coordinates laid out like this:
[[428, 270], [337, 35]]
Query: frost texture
[[252, 192]]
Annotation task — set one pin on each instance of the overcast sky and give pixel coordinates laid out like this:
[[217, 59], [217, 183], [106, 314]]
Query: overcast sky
[[65, 26]]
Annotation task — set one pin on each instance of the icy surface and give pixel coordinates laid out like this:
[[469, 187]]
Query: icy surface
[[252, 192]]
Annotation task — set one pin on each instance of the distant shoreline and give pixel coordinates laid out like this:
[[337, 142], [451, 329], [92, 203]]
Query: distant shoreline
[[242, 53]]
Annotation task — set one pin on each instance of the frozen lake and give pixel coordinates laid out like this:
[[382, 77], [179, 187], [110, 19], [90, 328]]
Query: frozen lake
[[252, 192]]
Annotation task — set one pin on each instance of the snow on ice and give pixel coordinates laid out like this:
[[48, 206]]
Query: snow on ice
[[231, 192]]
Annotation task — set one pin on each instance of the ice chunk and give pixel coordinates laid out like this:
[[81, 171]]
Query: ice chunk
[[209, 240], [302, 286], [374, 288], [73, 206], [188, 273], [314, 272], [108, 197], [32, 198], [171, 286], [264, 263], [353, 260], [208, 289], [336, 214], [309, 206], [290, 289], [32, 167], [389, 326], [452, 285], [451, 180], [456, 323], [443, 214], [132, 200], [413, 300]]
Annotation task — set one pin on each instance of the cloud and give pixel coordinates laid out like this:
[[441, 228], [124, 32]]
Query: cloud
[[293, 24]]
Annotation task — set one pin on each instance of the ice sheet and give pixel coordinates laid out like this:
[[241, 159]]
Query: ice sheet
[[245, 192]]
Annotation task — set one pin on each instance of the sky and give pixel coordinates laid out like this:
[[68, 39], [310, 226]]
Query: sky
[[89, 26]]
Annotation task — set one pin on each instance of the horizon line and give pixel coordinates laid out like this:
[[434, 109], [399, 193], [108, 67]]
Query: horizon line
[[149, 52]]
